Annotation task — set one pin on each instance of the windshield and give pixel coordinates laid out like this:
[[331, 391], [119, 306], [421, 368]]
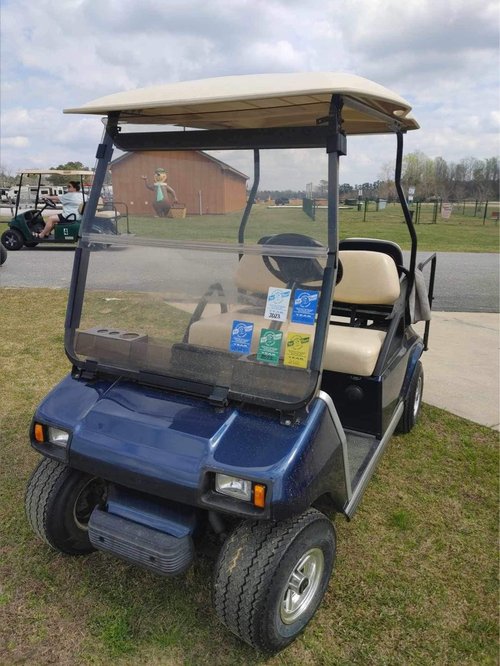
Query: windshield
[[223, 319]]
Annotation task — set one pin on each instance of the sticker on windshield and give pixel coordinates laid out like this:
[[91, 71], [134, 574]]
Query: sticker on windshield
[[269, 346], [241, 337], [277, 303], [305, 304], [297, 349]]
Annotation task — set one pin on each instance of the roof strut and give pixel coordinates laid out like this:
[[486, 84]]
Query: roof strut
[[251, 197], [406, 212], [336, 145]]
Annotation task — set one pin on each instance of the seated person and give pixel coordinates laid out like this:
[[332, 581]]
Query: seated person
[[71, 202]]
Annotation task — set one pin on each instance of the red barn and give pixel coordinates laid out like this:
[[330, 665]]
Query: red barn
[[204, 184]]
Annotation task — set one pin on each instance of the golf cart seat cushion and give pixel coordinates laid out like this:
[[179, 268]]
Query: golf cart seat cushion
[[350, 350], [369, 278], [253, 276], [353, 351]]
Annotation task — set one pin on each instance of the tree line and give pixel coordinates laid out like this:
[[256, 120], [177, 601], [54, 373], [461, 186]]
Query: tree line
[[431, 179]]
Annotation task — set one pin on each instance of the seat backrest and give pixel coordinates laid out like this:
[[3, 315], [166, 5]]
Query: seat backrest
[[368, 278], [253, 276]]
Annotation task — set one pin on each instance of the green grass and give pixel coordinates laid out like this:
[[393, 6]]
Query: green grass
[[462, 233], [416, 577]]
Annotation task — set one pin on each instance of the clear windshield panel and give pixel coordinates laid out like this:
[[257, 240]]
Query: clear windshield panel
[[198, 195], [242, 318]]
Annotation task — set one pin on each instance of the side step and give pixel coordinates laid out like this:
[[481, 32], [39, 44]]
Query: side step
[[148, 548]]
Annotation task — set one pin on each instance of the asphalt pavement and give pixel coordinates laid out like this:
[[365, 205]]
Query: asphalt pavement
[[461, 366]]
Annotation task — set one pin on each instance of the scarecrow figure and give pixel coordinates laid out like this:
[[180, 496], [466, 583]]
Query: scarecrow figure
[[161, 202]]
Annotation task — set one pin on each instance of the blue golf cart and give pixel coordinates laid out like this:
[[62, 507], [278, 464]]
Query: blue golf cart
[[241, 392]]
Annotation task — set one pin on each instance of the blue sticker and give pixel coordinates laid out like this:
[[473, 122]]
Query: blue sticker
[[305, 304], [241, 337]]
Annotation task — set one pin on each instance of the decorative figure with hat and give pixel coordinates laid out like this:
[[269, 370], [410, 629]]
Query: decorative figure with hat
[[161, 202]]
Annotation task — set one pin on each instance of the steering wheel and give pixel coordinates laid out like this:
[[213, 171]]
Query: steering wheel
[[49, 203], [292, 269]]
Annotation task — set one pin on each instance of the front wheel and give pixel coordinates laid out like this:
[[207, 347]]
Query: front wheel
[[271, 577], [59, 501]]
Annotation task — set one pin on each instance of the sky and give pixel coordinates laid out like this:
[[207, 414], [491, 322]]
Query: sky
[[441, 55]]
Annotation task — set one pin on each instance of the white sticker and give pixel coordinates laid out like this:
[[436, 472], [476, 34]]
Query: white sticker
[[277, 304]]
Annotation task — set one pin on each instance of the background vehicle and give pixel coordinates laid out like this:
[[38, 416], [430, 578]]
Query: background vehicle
[[232, 391], [27, 222]]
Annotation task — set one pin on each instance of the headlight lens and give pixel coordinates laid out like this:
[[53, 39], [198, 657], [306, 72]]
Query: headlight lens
[[234, 487], [57, 436]]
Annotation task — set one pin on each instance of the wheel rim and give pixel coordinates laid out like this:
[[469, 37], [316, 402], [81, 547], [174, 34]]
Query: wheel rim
[[418, 397], [10, 241], [302, 585], [91, 495]]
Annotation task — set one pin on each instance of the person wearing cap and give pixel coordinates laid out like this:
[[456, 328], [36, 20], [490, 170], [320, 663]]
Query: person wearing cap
[[161, 202]]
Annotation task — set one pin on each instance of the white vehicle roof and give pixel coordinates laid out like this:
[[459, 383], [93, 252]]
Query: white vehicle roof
[[258, 101], [59, 172]]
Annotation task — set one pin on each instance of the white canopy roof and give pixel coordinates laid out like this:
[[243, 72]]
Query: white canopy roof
[[258, 101], [58, 172]]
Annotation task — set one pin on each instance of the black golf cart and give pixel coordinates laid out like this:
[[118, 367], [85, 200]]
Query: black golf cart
[[242, 392], [25, 224]]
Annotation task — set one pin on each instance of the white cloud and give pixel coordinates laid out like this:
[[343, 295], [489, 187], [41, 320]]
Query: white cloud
[[442, 55], [15, 141]]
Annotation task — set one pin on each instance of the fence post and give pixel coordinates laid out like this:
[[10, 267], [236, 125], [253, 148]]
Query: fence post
[[364, 214], [485, 212], [435, 212]]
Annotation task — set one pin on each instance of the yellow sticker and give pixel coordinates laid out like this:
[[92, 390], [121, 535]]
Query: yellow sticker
[[297, 349]]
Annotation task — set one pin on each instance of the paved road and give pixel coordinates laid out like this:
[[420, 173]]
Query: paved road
[[465, 282]]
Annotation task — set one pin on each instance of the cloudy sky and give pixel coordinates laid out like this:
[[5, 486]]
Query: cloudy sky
[[441, 55]]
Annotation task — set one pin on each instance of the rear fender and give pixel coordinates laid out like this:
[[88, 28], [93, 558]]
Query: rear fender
[[413, 359]]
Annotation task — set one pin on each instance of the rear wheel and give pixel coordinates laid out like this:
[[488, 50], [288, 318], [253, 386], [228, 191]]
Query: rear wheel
[[271, 578], [413, 402], [12, 239], [59, 501], [3, 254]]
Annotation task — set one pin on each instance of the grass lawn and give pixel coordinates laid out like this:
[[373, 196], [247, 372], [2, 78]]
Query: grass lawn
[[462, 233], [416, 573]]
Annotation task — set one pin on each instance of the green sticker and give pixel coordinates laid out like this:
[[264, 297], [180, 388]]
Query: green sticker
[[269, 346]]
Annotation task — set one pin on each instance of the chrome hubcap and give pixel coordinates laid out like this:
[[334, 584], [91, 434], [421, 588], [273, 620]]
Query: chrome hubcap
[[418, 397], [302, 585]]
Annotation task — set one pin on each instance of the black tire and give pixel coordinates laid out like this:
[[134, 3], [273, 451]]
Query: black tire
[[59, 501], [3, 254], [413, 402], [255, 595], [12, 239]]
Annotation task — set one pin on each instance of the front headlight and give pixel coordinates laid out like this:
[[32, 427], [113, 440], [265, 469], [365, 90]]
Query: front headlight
[[234, 487], [57, 436], [51, 441], [242, 489]]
